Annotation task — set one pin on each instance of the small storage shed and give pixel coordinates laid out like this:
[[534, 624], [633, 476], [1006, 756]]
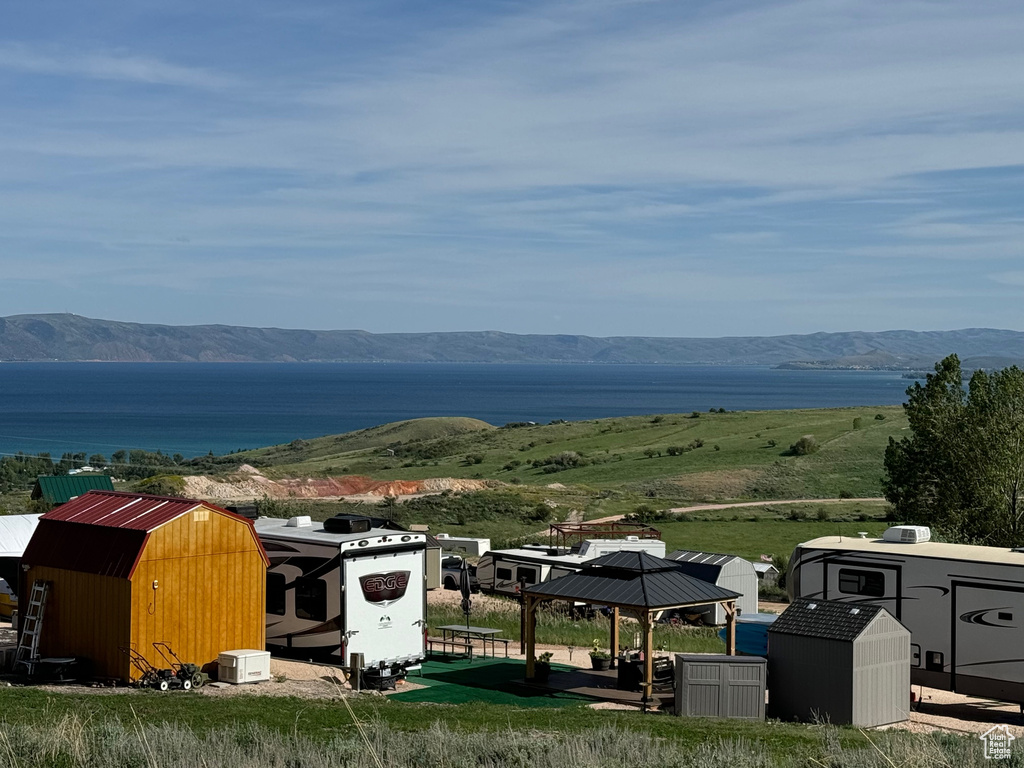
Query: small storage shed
[[713, 685], [766, 572], [128, 570], [844, 662], [727, 571], [60, 489]]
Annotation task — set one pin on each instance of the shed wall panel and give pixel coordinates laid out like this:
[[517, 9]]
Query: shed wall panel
[[810, 677], [210, 593], [86, 616]]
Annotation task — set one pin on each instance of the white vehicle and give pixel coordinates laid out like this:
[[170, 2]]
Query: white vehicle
[[964, 605], [345, 588], [504, 570]]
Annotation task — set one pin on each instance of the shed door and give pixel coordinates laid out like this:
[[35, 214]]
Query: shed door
[[855, 581], [987, 652]]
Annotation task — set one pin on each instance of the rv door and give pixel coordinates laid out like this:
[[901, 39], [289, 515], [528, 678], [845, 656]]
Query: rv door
[[986, 653]]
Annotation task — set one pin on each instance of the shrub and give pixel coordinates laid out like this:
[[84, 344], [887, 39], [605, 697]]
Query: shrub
[[718, 447], [858, 423], [695, 415], [772, 443], [879, 417], [650, 453], [804, 446], [823, 514], [844, 494], [675, 450]]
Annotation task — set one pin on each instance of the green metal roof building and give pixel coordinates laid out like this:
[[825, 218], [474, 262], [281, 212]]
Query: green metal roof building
[[61, 489]]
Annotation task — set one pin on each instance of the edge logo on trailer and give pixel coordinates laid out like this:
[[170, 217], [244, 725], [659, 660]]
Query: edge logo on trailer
[[384, 588]]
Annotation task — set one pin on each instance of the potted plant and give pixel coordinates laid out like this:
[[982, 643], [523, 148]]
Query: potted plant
[[600, 660], [542, 667]]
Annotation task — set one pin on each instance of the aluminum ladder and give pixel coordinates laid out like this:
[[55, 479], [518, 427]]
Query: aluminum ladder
[[32, 624]]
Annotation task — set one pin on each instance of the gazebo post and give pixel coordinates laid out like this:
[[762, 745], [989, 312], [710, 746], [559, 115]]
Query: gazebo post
[[730, 628], [614, 640], [531, 634], [648, 627]]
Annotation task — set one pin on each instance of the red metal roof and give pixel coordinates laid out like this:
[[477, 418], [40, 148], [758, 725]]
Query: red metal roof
[[133, 511], [104, 532]]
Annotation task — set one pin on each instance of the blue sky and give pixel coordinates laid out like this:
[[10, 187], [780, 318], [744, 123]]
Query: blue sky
[[613, 167]]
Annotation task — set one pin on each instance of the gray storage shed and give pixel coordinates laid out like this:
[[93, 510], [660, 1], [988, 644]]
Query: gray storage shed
[[842, 662], [728, 571], [713, 685]]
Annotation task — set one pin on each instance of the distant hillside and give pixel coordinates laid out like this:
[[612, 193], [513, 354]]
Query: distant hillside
[[73, 338]]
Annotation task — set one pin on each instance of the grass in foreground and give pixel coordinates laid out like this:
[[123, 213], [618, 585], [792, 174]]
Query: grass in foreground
[[565, 738]]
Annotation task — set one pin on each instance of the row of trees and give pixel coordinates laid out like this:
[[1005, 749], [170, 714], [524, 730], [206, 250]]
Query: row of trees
[[961, 468]]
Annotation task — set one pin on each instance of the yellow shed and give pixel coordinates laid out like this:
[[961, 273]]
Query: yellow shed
[[127, 570]]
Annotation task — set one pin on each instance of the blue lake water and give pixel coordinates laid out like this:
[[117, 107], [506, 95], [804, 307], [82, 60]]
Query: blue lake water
[[220, 407]]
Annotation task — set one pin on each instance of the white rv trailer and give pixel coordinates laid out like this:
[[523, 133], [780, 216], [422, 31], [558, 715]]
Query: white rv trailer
[[964, 605], [333, 594], [502, 570]]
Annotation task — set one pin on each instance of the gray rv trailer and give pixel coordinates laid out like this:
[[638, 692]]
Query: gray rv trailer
[[502, 570], [964, 605]]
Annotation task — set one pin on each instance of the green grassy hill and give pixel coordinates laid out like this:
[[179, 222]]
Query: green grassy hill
[[680, 456]]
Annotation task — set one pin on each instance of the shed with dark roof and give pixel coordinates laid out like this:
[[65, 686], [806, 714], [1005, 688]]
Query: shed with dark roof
[[128, 570], [634, 582], [845, 663]]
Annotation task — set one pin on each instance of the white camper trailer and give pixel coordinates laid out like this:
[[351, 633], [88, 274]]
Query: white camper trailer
[[964, 605], [727, 571], [463, 545], [503, 570], [341, 587]]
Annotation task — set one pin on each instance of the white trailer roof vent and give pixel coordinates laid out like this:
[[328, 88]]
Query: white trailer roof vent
[[302, 521], [908, 534], [632, 538]]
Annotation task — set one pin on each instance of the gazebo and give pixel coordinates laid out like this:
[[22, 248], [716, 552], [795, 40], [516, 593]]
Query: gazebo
[[635, 583]]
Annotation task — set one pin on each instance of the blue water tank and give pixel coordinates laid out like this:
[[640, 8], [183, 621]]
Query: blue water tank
[[752, 633]]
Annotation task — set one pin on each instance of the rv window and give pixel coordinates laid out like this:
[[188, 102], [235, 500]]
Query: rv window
[[310, 599], [869, 583], [275, 593], [528, 574], [505, 574]]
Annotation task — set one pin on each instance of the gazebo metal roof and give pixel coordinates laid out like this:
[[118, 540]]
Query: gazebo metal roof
[[633, 580]]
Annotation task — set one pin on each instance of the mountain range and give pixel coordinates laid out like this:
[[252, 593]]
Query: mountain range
[[67, 337]]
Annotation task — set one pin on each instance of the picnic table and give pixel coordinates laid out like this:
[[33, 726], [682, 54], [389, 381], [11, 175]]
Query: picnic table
[[484, 634]]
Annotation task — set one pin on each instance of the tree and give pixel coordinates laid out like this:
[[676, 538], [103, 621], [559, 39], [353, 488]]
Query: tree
[[961, 469]]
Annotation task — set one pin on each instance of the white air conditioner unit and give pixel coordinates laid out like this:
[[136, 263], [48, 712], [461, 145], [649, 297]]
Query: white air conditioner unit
[[908, 534], [244, 666]]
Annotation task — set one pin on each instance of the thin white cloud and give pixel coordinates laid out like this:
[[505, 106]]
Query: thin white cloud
[[108, 66]]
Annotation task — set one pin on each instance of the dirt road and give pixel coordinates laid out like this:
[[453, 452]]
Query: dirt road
[[737, 505]]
